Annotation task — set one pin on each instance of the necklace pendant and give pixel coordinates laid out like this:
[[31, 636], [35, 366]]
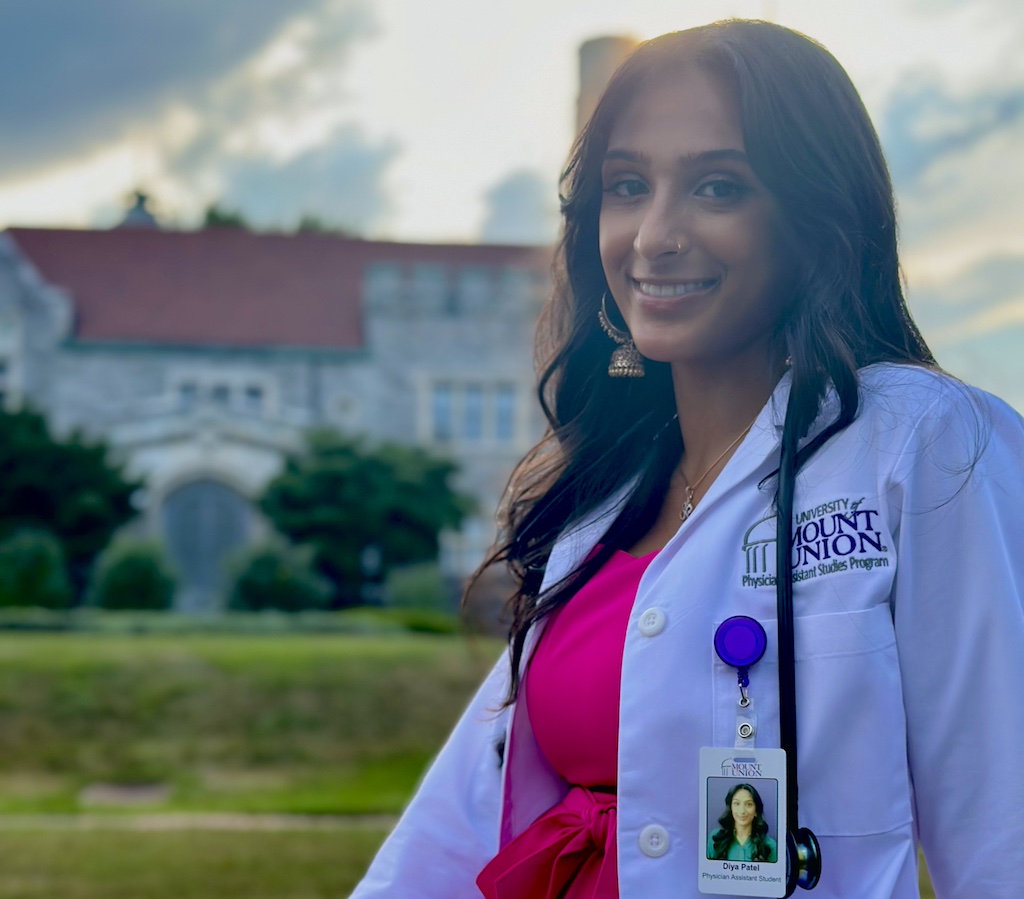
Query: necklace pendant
[[687, 509]]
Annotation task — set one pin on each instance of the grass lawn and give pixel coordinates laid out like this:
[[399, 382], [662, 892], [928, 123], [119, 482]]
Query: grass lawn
[[283, 723], [183, 865]]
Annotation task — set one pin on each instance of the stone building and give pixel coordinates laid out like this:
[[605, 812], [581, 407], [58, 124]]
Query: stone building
[[202, 357]]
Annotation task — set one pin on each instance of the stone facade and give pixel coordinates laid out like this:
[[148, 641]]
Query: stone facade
[[444, 361]]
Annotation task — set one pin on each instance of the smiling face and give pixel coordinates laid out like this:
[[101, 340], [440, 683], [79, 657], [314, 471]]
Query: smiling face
[[743, 808], [692, 244]]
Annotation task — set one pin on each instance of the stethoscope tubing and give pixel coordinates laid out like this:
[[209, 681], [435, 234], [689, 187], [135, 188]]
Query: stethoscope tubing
[[803, 854], [784, 616]]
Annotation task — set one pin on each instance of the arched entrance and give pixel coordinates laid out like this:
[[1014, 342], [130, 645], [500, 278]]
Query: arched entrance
[[204, 521]]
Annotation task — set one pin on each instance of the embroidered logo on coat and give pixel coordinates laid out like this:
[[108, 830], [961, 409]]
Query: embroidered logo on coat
[[840, 535]]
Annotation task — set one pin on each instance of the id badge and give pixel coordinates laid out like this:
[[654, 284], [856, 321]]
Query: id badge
[[742, 849]]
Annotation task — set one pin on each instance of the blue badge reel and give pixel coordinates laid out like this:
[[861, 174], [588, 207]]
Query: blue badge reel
[[740, 641]]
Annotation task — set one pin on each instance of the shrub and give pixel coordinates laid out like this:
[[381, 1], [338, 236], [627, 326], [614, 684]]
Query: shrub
[[133, 574], [278, 576], [32, 571], [419, 587], [428, 621]]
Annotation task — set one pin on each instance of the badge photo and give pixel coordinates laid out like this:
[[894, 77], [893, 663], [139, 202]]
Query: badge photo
[[742, 822]]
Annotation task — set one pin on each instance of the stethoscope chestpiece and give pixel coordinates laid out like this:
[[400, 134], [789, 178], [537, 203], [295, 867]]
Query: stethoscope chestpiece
[[803, 860]]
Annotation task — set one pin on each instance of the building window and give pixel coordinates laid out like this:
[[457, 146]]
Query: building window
[[243, 393], [188, 396], [473, 413], [382, 280], [443, 412], [221, 395], [346, 411], [254, 399], [474, 286], [505, 413], [451, 303], [430, 283]]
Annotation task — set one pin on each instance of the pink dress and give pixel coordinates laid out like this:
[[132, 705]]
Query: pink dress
[[572, 694]]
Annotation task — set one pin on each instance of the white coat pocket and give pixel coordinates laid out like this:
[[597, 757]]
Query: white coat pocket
[[851, 737]]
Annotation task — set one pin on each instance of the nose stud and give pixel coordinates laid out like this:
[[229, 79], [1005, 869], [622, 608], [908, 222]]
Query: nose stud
[[663, 244]]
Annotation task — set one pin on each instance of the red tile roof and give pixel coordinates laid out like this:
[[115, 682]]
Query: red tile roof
[[228, 287]]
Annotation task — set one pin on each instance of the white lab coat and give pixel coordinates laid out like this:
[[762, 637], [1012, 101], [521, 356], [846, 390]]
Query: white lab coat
[[910, 660]]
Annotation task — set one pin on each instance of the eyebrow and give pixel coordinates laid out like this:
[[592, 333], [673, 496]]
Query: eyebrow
[[689, 159]]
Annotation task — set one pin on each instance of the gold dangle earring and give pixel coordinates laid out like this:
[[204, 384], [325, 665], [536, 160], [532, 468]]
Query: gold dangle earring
[[626, 361]]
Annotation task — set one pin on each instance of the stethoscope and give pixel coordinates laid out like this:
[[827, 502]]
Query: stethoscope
[[803, 854]]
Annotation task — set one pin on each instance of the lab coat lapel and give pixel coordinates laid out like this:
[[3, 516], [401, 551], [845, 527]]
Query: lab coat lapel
[[532, 786]]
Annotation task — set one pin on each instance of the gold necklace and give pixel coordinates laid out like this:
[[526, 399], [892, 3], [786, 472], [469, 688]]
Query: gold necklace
[[687, 510]]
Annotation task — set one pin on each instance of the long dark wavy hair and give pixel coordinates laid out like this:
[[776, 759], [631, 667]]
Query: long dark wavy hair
[[809, 140], [722, 839]]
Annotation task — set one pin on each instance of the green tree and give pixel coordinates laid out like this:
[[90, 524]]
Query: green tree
[[32, 571], [277, 575], [133, 574], [313, 224], [69, 488], [218, 217], [364, 509]]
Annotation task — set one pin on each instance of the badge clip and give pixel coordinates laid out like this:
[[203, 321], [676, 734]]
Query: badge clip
[[740, 642]]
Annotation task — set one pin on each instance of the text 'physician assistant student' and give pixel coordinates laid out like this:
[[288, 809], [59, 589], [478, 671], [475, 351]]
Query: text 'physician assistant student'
[[768, 635]]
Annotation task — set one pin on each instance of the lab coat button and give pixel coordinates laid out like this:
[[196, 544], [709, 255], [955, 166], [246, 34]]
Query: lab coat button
[[652, 622], [654, 840]]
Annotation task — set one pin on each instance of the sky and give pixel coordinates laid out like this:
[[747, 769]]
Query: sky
[[449, 121]]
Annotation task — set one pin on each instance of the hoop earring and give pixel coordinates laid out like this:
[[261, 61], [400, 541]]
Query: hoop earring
[[626, 361]]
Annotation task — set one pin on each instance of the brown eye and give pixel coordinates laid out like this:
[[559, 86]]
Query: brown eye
[[626, 187], [721, 189]]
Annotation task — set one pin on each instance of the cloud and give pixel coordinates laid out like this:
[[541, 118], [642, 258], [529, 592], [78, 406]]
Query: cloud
[[954, 146], [994, 320], [339, 182], [959, 306], [240, 102], [924, 124], [520, 209], [954, 149], [931, 7], [77, 74], [957, 170], [273, 141], [936, 7], [975, 324]]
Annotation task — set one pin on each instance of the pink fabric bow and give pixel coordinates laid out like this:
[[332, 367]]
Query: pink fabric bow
[[567, 853]]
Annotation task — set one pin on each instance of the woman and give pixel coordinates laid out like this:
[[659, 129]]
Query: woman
[[742, 834], [729, 234]]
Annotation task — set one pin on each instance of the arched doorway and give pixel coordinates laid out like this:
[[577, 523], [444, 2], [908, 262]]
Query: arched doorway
[[204, 521]]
